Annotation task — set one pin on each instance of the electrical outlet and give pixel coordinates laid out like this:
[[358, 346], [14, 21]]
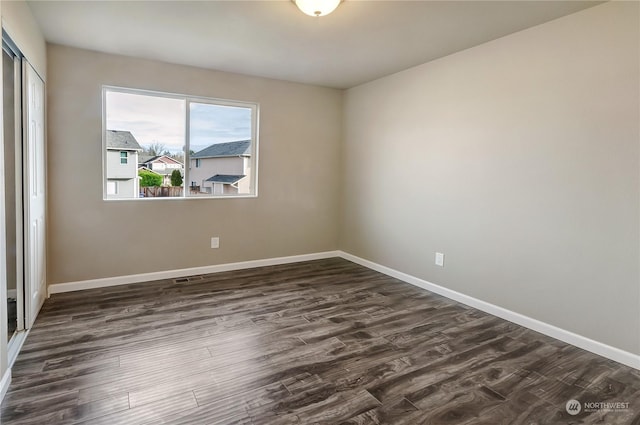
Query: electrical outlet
[[439, 259], [215, 242]]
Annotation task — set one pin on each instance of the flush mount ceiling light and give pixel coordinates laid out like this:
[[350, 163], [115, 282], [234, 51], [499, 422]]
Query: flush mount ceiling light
[[317, 7]]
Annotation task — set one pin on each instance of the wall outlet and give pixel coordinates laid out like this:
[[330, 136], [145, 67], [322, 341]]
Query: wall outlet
[[439, 259], [215, 242]]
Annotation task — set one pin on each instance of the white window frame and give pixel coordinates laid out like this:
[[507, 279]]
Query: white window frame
[[255, 112], [125, 157]]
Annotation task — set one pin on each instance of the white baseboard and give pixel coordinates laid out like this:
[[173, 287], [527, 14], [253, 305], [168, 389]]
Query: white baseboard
[[580, 341], [172, 274], [4, 383]]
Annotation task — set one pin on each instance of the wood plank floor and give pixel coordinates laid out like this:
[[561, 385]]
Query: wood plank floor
[[323, 341]]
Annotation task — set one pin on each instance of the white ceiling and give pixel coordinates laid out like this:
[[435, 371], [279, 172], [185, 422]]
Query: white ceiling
[[360, 41]]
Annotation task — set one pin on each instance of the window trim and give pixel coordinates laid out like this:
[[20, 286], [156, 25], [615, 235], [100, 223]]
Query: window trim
[[255, 131], [125, 157]]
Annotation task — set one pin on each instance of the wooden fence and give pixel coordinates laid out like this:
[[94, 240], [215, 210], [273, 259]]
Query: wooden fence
[[161, 192]]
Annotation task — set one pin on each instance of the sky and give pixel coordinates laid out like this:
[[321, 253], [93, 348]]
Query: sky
[[154, 119]]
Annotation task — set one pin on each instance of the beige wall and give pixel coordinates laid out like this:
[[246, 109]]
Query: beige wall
[[519, 160], [296, 211]]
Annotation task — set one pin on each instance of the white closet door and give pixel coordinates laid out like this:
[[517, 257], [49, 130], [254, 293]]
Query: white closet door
[[35, 202]]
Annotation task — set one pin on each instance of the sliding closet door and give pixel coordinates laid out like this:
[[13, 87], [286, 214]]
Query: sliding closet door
[[35, 203], [14, 220]]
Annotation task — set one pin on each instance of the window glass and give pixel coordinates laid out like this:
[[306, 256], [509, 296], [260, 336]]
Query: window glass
[[154, 143]]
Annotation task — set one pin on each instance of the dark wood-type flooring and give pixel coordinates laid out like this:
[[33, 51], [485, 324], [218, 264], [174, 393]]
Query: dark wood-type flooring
[[323, 341]]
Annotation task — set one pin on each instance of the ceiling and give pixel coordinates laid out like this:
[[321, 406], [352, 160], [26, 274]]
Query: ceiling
[[359, 42]]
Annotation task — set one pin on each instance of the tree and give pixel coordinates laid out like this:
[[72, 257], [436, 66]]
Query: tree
[[149, 179], [178, 156], [176, 178], [156, 149]]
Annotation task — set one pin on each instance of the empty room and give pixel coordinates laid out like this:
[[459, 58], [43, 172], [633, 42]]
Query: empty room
[[320, 212]]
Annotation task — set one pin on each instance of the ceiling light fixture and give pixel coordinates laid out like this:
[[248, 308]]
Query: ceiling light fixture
[[317, 7]]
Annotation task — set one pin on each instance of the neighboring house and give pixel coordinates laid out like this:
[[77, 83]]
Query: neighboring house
[[122, 164], [222, 169], [161, 164]]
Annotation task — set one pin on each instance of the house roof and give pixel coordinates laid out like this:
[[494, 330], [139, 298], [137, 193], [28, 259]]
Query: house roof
[[159, 158], [225, 178], [143, 168], [122, 140], [239, 148]]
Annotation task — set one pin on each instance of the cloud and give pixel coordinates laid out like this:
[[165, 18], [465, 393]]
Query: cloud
[[161, 119], [149, 118], [216, 124]]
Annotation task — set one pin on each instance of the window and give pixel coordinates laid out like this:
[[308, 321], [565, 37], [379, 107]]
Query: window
[[112, 187], [211, 143]]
